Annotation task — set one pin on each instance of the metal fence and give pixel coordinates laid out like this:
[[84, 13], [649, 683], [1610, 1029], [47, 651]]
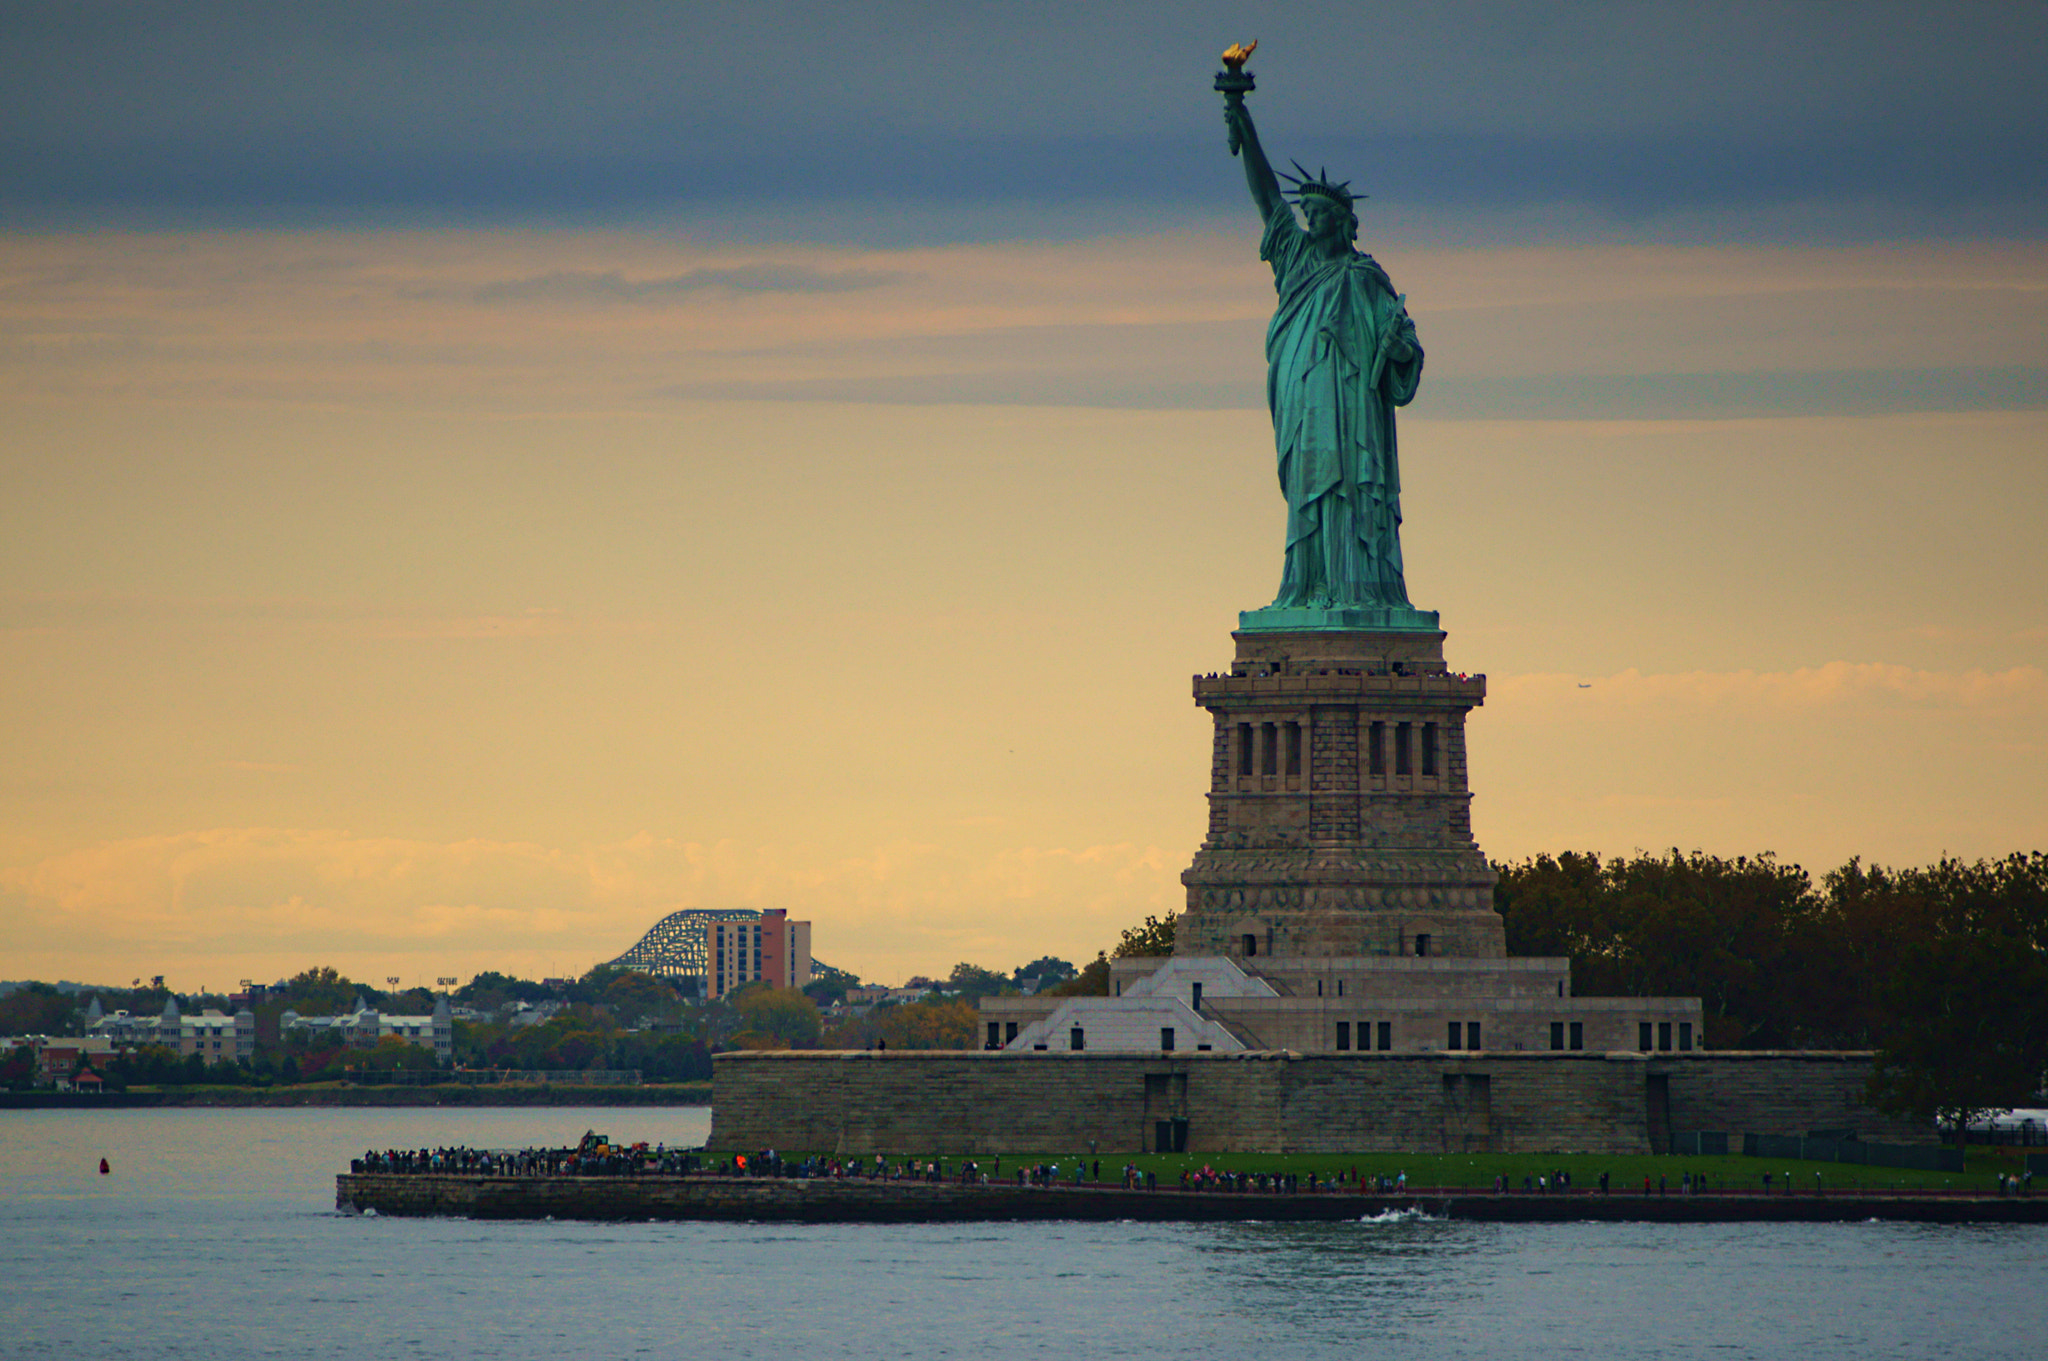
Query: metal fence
[[1826, 1148], [570, 1077]]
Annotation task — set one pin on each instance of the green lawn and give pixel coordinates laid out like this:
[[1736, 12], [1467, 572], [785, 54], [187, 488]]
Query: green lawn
[[1625, 1174]]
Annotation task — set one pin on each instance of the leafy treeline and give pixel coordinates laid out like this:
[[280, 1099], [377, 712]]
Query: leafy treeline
[[1943, 969]]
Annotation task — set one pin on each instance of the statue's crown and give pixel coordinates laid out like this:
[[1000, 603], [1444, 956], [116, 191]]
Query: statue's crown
[[1319, 186]]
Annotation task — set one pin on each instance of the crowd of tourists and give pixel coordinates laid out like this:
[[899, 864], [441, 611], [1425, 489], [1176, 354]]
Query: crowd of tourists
[[593, 1156], [596, 1156]]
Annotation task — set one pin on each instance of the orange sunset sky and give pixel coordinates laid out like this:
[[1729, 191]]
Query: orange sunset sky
[[476, 479]]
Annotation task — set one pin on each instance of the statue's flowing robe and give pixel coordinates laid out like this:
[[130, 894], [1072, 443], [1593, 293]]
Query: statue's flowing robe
[[1332, 390]]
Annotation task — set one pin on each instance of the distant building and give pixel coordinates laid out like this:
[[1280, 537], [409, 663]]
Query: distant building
[[772, 948], [362, 1026], [724, 948], [215, 1035]]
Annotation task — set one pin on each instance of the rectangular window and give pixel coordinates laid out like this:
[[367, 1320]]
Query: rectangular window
[[1685, 1036], [1386, 1035], [1343, 1034], [1009, 1031], [1457, 1035], [1376, 749], [1244, 748], [1472, 1035], [1421, 946], [1319, 987], [1429, 748], [1643, 1036], [1294, 748], [1557, 1034], [1201, 1048], [1401, 736], [1664, 1036], [1195, 998], [1578, 1034], [995, 1034], [1076, 1040], [1166, 1037], [1269, 758], [1340, 987]]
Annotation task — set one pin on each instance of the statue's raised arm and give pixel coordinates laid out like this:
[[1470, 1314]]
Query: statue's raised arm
[[1235, 83], [1258, 171]]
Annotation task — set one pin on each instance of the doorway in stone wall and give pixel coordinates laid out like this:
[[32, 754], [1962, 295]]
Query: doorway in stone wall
[[1166, 1113], [1468, 1113], [1657, 1091]]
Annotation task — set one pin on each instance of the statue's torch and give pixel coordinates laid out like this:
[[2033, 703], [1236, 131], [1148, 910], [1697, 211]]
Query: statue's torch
[[1235, 82]]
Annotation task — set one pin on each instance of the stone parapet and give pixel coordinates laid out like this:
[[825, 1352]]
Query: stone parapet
[[746, 1199], [970, 1103]]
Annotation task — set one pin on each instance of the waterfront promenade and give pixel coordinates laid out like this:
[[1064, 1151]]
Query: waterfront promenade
[[707, 1196]]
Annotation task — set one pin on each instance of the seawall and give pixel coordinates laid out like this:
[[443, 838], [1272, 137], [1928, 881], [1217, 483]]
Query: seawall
[[868, 1202], [976, 1103]]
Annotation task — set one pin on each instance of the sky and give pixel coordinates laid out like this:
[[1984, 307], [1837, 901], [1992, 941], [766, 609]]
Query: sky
[[477, 478]]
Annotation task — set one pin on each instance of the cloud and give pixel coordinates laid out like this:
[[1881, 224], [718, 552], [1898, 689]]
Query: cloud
[[130, 113], [611, 286], [257, 902], [641, 321]]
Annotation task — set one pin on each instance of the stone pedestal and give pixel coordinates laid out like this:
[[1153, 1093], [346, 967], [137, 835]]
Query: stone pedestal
[[1339, 817]]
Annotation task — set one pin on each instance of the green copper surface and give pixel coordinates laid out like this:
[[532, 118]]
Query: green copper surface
[[1341, 355]]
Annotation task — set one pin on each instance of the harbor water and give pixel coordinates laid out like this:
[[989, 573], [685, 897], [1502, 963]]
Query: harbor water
[[214, 1235]]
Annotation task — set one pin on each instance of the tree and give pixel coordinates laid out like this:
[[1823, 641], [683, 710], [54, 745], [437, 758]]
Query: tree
[[38, 1009], [775, 1018], [1155, 937], [1964, 1028], [830, 986], [1046, 968], [1092, 981], [632, 996], [935, 1023], [970, 981]]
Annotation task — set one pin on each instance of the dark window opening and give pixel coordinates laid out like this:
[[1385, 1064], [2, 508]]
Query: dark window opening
[[1340, 987], [1386, 1035], [1578, 1034], [1251, 943], [1560, 987], [1557, 1034], [995, 1034], [1643, 1036], [1457, 1035], [1472, 1035], [1319, 987], [1039, 1047], [1401, 743], [1269, 754], [1009, 1031], [1294, 748], [1076, 1040], [1343, 1034], [1376, 749], [1429, 748], [1421, 946], [1201, 1048], [1166, 1037], [1664, 1035], [1195, 1000], [1685, 1036], [1244, 748]]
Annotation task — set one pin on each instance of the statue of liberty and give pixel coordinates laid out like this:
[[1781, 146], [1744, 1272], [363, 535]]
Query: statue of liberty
[[1341, 354]]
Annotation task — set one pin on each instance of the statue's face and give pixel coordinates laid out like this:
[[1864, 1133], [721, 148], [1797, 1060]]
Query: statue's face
[[1328, 224]]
